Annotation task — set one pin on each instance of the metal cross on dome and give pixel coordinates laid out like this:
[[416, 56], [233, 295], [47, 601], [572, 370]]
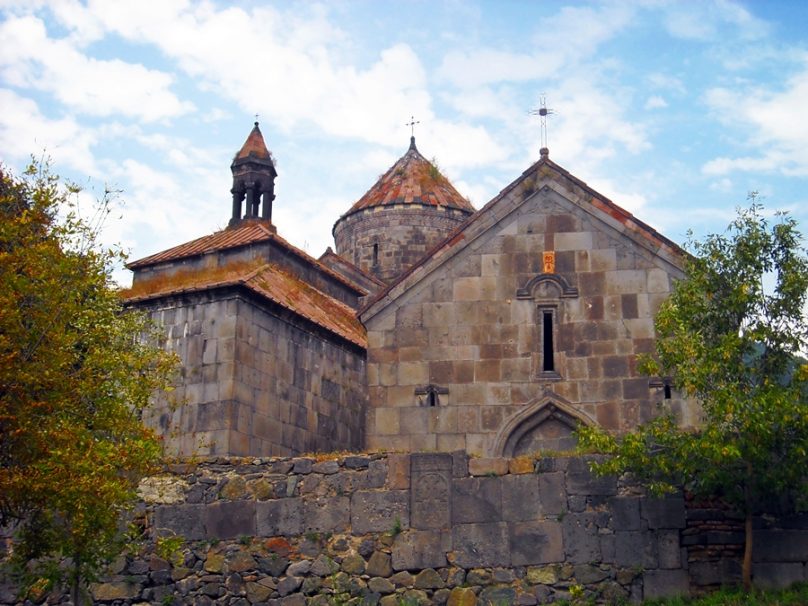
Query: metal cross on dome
[[412, 124]]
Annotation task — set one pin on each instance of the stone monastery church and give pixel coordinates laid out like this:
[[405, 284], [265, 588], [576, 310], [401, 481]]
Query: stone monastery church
[[432, 326]]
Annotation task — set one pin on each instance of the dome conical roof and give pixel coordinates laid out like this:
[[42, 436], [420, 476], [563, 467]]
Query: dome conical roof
[[412, 180]]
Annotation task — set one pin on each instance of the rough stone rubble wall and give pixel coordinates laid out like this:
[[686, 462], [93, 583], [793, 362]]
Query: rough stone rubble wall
[[426, 529]]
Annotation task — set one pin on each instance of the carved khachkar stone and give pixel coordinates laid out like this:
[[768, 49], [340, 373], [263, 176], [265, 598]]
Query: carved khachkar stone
[[431, 505]]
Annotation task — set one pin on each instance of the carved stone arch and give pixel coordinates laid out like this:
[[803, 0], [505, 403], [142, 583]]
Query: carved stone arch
[[546, 423], [565, 289]]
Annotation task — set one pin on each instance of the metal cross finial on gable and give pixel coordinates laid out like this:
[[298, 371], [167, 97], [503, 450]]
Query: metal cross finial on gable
[[543, 112], [412, 124]]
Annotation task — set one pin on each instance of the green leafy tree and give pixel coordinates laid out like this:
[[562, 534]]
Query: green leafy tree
[[730, 336], [76, 373]]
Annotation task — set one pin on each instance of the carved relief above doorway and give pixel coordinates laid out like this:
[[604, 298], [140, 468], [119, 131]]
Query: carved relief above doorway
[[545, 424]]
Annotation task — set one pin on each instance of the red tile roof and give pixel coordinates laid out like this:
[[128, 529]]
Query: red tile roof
[[254, 146], [298, 296], [412, 180], [247, 232], [269, 282]]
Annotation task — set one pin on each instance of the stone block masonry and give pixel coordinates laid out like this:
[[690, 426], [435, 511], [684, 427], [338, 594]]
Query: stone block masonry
[[432, 528], [256, 380]]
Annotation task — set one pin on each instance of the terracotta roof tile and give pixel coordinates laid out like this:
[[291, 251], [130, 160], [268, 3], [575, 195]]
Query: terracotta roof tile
[[412, 180], [268, 281], [254, 146], [298, 296], [247, 232]]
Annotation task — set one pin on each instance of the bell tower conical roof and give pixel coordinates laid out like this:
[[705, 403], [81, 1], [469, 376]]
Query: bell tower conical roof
[[254, 175], [254, 146]]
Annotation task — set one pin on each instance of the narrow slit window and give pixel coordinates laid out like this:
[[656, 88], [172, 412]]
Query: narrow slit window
[[376, 253], [548, 352], [432, 398], [667, 390]]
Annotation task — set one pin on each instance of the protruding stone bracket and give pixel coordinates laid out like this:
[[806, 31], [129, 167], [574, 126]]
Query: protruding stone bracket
[[566, 290], [548, 407]]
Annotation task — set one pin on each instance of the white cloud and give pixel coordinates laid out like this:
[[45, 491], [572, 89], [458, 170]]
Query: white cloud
[[165, 204], [778, 132], [484, 103], [570, 36], [31, 59], [215, 114], [667, 82], [702, 21], [470, 69], [724, 185], [592, 125], [459, 146], [25, 130], [283, 65], [630, 201], [689, 24], [655, 102]]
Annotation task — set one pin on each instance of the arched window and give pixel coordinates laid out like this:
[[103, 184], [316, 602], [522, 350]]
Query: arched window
[[547, 290]]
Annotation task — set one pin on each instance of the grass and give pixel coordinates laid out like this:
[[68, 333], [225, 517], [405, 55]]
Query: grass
[[794, 596]]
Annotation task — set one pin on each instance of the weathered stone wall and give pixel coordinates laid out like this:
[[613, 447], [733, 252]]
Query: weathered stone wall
[[402, 233], [255, 380], [428, 528], [473, 331]]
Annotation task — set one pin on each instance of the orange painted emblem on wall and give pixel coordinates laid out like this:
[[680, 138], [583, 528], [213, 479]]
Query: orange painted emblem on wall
[[549, 262]]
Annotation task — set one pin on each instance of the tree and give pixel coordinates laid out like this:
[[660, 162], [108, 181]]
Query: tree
[[76, 373], [730, 336]]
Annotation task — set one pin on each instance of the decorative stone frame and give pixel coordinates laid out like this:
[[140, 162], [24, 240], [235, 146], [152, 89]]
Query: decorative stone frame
[[528, 291], [550, 406], [544, 303]]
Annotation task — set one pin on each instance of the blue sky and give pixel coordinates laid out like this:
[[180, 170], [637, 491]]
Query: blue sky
[[674, 110]]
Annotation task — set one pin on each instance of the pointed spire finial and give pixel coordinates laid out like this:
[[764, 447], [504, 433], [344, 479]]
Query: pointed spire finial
[[412, 124]]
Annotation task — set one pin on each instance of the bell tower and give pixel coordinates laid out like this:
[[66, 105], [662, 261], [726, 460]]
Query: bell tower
[[254, 175]]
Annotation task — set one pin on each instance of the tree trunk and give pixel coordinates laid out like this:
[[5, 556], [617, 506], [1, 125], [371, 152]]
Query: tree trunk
[[747, 552], [74, 592], [75, 581]]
